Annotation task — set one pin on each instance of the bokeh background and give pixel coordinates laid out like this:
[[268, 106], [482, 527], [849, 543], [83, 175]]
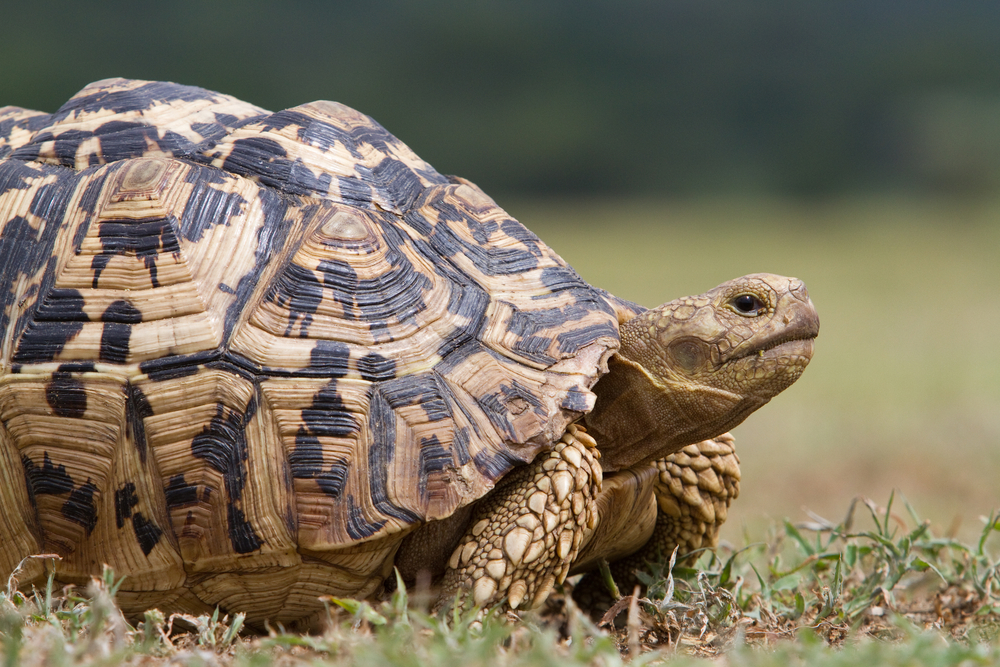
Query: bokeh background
[[661, 148]]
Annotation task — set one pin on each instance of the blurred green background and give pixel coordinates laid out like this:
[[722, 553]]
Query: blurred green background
[[663, 147]]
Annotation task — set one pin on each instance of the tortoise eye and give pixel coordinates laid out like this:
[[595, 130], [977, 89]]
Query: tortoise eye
[[747, 304]]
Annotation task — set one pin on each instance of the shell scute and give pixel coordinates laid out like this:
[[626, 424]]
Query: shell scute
[[29, 251], [330, 151], [118, 119], [95, 495], [261, 347], [213, 442], [18, 126]]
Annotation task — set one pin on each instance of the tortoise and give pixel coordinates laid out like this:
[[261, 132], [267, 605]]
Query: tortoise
[[251, 359]]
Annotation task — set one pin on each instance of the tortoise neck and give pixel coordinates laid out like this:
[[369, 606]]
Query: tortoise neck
[[636, 420], [625, 423]]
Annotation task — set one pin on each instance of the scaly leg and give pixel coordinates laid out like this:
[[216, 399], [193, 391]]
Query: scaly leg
[[524, 536], [693, 490]]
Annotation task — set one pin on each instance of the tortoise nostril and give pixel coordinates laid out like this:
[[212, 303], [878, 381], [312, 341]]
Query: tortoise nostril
[[798, 288]]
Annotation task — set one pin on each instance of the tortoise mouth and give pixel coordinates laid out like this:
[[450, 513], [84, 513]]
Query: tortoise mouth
[[800, 343]]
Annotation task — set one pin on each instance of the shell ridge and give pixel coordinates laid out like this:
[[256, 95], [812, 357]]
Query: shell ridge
[[307, 340]]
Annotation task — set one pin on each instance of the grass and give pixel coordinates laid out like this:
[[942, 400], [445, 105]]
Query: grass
[[878, 588]]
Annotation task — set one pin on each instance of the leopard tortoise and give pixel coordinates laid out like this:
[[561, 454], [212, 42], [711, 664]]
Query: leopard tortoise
[[250, 359]]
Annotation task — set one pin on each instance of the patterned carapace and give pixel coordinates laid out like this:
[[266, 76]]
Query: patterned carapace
[[244, 352]]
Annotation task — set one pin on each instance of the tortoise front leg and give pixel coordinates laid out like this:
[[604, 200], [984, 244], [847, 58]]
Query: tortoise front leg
[[691, 491], [524, 536]]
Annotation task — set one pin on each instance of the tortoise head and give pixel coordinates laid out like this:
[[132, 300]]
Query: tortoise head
[[698, 366]]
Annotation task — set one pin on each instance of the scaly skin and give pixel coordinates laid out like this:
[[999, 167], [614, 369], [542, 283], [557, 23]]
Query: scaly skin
[[686, 373], [690, 497], [696, 367], [526, 534]]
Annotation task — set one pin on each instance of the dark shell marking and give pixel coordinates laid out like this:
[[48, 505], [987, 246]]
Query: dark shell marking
[[235, 341]]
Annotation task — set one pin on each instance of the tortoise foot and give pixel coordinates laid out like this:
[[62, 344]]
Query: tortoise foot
[[525, 535]]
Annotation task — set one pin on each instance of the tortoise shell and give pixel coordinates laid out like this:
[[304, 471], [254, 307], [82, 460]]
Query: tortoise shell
[[244, 353]]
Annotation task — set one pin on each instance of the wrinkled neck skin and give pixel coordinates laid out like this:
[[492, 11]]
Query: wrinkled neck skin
[[696, 367], [635, 421]]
